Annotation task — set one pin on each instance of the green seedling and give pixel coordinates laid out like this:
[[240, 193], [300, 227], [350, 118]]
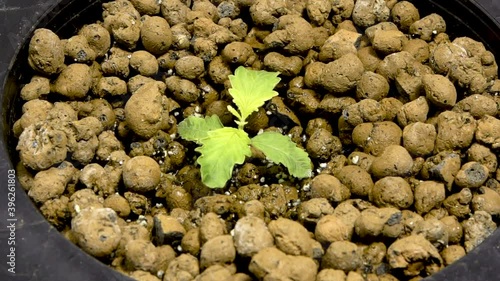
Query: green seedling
[[223, 147]]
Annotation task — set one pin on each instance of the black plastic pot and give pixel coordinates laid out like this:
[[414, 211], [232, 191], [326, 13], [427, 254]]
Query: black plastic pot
[[41, 253]]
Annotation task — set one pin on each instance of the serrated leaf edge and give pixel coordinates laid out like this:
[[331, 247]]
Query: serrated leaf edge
[[306, 173], [228, 175]]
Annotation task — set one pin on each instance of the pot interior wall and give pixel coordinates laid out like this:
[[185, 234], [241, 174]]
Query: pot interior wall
[[463, 19]]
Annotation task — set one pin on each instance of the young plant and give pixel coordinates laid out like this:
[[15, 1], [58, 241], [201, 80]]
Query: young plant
[[223, 147]]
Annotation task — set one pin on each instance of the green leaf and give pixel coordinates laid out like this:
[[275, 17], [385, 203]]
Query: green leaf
[[251, 88], [220, 151], [196, 128], [281, 149], [241, 124]]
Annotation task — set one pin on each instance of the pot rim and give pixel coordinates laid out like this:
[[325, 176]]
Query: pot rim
[[42, 253]]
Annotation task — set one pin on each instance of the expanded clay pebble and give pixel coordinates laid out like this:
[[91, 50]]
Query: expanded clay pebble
[[329, 187], [479, 226], [139, 204], [217, 250], [41, 146], [98, 38], [141, 255], [251, 235], [331, 274], [391, 192], [322, 144], [46, 52], [477, 105], [191, 243], [434, 231], [369, 12], [454, 229], [113, 86], [413, 111], [56, 211], [388, 41], [311, 211], [293, 33], [174, 11], [211, 226], [392, 65], [338, 76], [180, 37], [240, 53], [349, 212], [339, 44], [74, 81], [442, 166], [93, 177], [419, 138], [452, 253], [366, 110], [205, 48], [37, 88], [373, 222], [125, 29], [331, 228], [375, 137], [79, 49], [183, 266], [383, 26], [146, 112], [117, 64], [439, 90], [454, 131], [96, 231], [208, 10], [373, 254], [110, 146], [190, 67], [427, 27], [51, 183], [118, 203], [372, 86], [156, 35], [215, 272], [272, 262], [143, 275], [356, 179], [178, 197], [144, 63], [204, 27], [488, 131], [404, 14], [183, 90], [146, 7], [318, 10], [288, 66], [471, 175], [418, 48], [82, 199], [291, 237], [394, 161], [119, 6], [458, 204], [342, 255], [428, 195], [487, 199], [141, 174], [404, 253]]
